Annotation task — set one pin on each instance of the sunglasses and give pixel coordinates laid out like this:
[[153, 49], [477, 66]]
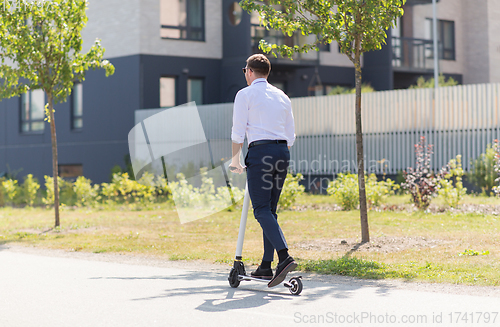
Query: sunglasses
[[245, 70]]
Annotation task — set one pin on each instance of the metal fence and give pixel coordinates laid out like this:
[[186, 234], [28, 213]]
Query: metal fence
[[456, 120]]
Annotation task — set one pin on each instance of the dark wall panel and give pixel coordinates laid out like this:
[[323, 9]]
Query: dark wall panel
[[108, 115], [377, 67]]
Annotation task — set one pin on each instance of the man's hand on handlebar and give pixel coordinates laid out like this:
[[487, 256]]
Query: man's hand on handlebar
[[236, 167]]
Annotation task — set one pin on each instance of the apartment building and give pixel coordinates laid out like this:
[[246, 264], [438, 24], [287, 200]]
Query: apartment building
[[169, 52], [469, 50]]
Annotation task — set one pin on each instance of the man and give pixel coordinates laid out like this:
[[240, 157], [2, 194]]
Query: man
[[264, 113]]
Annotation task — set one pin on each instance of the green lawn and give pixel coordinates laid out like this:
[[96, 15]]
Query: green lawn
[[158, 232]]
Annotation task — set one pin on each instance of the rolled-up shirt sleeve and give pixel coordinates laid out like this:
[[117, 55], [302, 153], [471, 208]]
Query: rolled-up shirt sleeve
[[290, 128], [240, 118]]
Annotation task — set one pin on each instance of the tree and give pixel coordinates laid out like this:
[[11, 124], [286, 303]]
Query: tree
[[357, 26], [40, 48]]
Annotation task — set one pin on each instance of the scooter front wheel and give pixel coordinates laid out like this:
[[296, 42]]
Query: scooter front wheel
[[233, 278]]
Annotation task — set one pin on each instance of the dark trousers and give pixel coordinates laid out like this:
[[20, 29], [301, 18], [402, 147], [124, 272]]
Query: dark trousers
[[267, 166]]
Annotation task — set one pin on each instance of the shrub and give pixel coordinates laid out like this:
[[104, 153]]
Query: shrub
[[115, 170], [184, 194], [345, 190], [483, 173], [421, 182], [30, 189], [291, 189], [451, 187], [2, 192], [365, 88], [123, 189], [66, 193], [86, 194], [423, 84], [378, 190], [12, 190]]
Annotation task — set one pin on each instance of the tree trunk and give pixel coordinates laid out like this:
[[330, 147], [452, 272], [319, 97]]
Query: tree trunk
[[55, 172], [365, 233]]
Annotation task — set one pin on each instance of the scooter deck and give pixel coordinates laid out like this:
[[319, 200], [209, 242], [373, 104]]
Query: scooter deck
[[249, 278]]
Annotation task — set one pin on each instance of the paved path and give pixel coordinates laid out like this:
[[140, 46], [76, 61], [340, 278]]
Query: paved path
[[55, 288]]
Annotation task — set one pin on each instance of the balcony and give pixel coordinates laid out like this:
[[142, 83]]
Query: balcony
[[275, 37], [412, 55]]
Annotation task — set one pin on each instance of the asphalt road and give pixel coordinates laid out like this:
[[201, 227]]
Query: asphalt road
[[56, 288]]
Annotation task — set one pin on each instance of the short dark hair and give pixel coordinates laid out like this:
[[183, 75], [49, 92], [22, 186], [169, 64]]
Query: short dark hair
[[259, 64]]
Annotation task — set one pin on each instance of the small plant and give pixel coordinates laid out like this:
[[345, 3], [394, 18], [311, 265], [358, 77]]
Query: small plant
[[12, 190], [451, 187], [30, 189], [496, 148], [345, 190], [469, 252], [483, 173], [421, 182], [86, 194], [291, 189]]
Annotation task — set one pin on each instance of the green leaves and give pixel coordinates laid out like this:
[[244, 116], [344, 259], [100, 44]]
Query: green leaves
[[348, 22], [40, 47]]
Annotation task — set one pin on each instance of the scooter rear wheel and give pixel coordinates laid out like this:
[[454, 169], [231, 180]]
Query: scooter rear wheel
[[296, 288]]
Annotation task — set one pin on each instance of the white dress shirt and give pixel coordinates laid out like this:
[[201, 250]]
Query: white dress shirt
[[263, 112]]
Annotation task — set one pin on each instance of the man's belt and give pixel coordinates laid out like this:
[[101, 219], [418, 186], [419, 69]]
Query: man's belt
[[261, 142]]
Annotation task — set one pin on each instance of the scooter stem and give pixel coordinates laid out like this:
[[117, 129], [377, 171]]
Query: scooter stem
[[243, 223]]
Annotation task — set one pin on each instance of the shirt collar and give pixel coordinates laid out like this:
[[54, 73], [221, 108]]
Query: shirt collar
[[259, 80]]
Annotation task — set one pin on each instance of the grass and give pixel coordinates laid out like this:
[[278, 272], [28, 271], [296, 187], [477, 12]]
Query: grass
[[399, 199], [157, 232]]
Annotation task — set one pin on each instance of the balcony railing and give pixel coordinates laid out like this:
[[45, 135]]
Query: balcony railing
[[412, 54], [276, 37]]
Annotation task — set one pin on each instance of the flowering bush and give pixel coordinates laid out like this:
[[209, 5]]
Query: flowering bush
[[451, 187], [11, 189], [496, 147], [345, 189], [29, 189], [291, 189], [420, 182], [66, 193], [376, 190], [86, 194], [482, 173]]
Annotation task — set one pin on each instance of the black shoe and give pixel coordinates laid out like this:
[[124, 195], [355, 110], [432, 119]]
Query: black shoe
[[282, 269], [262, 273]]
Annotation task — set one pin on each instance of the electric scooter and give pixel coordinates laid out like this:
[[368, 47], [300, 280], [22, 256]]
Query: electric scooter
[[238, 273]]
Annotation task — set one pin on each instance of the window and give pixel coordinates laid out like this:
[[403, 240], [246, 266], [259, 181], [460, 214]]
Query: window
[[195, 90], [234, 13], [33, 111], [446, 37], [71, 171], [77, 107], [182, 19], [324, 47], [167, 91]]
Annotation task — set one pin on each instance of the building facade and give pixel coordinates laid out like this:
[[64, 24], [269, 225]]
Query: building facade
[[169, 52]]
